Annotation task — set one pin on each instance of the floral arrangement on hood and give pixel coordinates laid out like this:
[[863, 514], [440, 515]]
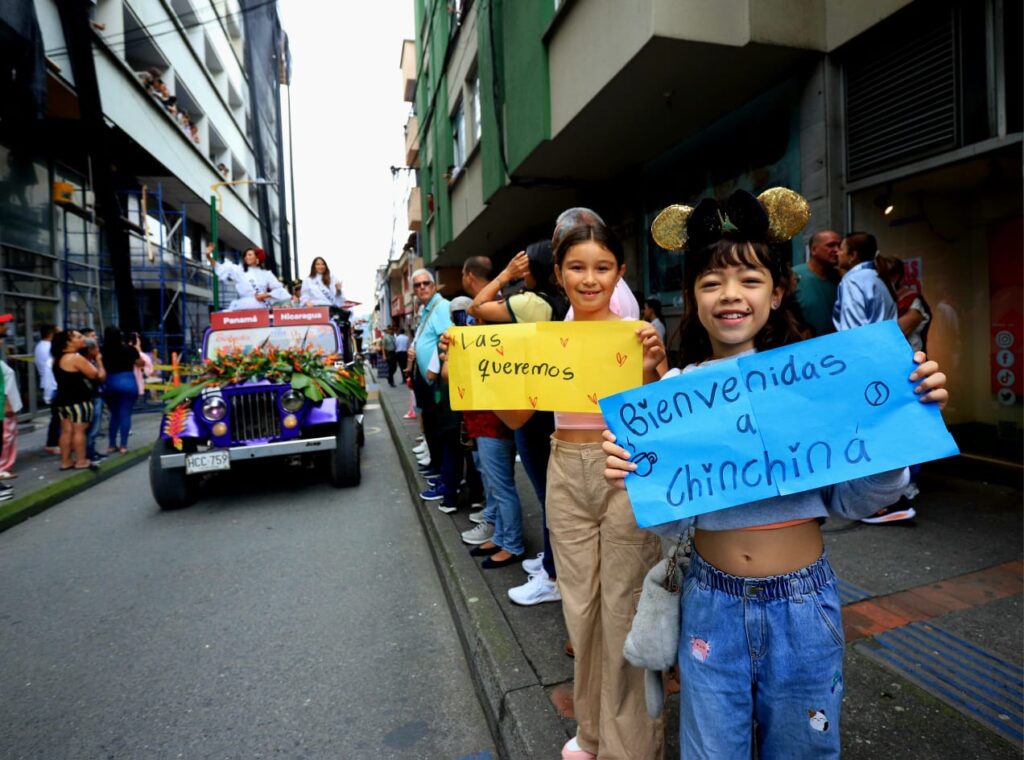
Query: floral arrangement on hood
[[308, 370]]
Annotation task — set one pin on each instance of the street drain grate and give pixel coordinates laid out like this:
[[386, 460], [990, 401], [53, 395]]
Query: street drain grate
[[975, 682]]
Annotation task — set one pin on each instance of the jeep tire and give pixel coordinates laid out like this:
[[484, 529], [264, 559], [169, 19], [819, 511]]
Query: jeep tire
[[345, 457], [172, 489]]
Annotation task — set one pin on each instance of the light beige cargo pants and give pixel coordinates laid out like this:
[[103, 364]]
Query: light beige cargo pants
[[602, 558]]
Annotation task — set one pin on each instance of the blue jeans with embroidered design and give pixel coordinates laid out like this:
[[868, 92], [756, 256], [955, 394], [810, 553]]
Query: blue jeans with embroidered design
[[768, 650], [497, 463]]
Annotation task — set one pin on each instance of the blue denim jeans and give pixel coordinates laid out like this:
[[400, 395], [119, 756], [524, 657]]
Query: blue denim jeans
[[497, 463], [768, 650], [94, 428], [533, 441], [119, 392], [490, 504]]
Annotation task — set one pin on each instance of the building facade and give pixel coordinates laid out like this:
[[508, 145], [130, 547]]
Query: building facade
[[131, 115], [525, 108]]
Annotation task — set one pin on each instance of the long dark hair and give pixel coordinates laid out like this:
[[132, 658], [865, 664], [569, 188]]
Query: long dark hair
[[113, 339], [259, 264], [732, 249], [542, 267], [59, 343], [326, 276]]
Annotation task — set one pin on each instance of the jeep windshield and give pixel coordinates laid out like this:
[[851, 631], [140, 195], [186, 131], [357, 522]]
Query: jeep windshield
[[321, 336]]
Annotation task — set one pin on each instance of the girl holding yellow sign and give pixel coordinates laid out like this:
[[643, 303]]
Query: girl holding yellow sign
[[601, 554]]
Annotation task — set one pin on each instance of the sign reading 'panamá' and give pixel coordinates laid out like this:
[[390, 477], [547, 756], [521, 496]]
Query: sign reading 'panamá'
[[805, 416], [554, 366]]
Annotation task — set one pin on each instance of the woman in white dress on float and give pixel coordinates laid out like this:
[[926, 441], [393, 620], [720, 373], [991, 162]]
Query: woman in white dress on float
[[321, 288], [256, 287]]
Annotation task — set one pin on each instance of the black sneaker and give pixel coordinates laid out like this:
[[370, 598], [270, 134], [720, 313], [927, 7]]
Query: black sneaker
[[4, 488], [447, 508], [5, 495]]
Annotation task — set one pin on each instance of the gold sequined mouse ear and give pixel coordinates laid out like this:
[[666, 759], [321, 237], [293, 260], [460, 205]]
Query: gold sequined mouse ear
[[788, 213], [669, 227]]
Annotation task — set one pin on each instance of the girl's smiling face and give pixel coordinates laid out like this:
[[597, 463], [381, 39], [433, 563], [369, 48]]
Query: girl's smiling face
[[320, 265], [733, 305], [589, 273], [251, 259]]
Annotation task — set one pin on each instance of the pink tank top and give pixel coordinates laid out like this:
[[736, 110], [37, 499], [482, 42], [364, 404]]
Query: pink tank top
[[579, 421]]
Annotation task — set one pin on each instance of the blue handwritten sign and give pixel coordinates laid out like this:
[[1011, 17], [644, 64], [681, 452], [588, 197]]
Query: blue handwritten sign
[[818, 412]]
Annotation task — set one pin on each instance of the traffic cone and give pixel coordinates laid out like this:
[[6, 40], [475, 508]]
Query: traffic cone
[[411, 414]]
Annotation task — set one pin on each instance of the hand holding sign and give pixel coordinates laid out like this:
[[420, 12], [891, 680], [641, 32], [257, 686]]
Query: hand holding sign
[[783, 421]]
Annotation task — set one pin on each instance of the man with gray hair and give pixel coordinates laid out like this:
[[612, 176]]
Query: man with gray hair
[[573, 217], [433, 320]]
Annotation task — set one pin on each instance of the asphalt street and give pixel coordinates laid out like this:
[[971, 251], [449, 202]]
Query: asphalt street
[[278, 617]]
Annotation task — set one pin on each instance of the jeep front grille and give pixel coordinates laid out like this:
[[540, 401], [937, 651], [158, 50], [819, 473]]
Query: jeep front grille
[[254, 415]]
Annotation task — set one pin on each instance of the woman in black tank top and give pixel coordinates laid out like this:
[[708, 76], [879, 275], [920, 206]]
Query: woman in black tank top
[[73, 400]]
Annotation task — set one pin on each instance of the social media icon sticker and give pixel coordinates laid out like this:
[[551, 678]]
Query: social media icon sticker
[[1006, 397], [1005, 358], [1004, 339], [1005, 377]]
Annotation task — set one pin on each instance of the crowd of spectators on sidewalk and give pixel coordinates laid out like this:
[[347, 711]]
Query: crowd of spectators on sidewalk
[[468, 459]]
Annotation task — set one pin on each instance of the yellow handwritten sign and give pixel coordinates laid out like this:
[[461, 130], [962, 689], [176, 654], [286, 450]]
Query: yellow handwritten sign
[[554, 366]]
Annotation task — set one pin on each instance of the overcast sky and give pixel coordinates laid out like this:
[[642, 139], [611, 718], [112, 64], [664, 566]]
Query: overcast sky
[[348, 115]]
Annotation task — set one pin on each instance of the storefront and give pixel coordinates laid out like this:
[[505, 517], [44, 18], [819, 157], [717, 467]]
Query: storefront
[[959, 230]]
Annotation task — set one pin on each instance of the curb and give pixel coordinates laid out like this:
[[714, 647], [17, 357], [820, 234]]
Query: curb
[[19, 510], [516, 705]]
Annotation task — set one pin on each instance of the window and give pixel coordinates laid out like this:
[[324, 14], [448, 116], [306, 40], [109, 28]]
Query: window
[[458, 136], [473, 96]]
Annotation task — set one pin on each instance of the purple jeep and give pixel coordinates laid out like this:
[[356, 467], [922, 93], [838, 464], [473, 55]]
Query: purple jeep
[[272, 384]]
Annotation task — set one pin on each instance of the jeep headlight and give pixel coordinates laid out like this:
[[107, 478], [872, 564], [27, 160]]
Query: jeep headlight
[[292, 401], [215, 408]]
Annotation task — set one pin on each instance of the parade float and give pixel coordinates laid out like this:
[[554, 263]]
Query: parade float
[[270, 383]]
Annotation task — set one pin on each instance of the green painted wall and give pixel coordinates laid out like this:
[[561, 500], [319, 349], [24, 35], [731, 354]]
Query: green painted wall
[[490, 60], [514, 85], [528, 105], [435, 128], [514, 82]]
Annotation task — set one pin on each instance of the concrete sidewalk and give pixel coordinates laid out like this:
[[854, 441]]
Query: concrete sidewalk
[[932, 611], [40, 484]]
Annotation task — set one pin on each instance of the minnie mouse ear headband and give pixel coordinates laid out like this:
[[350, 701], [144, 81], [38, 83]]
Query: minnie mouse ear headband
[[775, 216]]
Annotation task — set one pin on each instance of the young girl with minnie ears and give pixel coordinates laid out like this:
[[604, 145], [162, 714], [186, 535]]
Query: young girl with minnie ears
[[762, 637], [601, 554]]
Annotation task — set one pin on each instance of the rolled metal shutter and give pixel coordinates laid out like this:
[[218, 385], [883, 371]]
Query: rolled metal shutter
[[901, 95]]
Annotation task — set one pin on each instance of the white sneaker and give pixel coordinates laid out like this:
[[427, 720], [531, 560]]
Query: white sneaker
[[890, 515], [477, 517], [422, 447], [537, 590], [478, 534], [535, 565], [423, 459]]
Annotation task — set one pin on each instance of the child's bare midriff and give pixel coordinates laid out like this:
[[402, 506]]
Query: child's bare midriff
[[578, 436], [760, 553]]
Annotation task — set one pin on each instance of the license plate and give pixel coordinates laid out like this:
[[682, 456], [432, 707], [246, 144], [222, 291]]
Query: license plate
[[207, 461]]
